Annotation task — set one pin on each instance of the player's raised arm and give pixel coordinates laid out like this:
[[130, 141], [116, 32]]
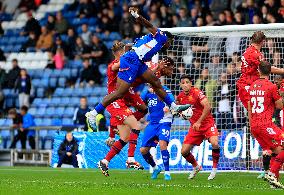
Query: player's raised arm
[[141, 20], [275, 70]]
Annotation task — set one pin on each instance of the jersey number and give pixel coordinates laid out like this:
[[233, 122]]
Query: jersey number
[[244, 61], [257, 104], [115, 105]]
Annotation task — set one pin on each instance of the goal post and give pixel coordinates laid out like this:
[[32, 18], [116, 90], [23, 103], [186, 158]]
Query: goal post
[[211, 55]]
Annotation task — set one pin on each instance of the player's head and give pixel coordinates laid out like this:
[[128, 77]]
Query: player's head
[[170, 40], [69, 136], [167, 70], [118, 49], [258, 38], [185, 83], [278, 80], [264, 68]]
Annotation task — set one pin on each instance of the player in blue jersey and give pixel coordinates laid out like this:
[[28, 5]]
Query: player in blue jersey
[[158, 130], [132, 66]]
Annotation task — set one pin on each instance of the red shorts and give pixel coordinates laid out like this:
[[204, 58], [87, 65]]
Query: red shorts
[[268, 136], [243, 92], [119, 112], [196, 137], [133, 99]]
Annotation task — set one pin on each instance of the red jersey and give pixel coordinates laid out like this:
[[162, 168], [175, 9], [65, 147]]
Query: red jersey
[[250, 62], [194, 97], [112, 77], [263, 95]]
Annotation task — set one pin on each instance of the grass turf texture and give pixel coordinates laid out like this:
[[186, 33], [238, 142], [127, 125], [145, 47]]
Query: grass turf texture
[[30, 180]]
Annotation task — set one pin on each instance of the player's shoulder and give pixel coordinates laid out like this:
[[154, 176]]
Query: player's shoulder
[[195, 91], [166, 89]]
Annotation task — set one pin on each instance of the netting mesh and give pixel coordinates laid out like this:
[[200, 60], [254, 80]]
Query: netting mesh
[[213, 60]]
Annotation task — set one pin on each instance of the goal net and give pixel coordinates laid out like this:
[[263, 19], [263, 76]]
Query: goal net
[[212, 57]]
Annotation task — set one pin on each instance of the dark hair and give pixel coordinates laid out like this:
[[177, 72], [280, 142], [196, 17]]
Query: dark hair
[[25, 108], [86, 59], [186, 76], [258, 37], [12, 111], [169, 35], [170, 60], [265, 68], [117, 46], [14, 60], [83, 97]]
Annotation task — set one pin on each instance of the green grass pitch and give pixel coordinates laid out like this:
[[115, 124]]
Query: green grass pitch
[[30, 180]]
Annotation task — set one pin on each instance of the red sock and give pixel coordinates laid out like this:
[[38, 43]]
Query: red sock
[[115, 149], [133, 142], [190, 158], [139, 114], [215, 156], [272, 160], [277, 164]]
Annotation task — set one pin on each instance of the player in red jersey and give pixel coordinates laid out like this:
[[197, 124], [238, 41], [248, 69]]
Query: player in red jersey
[[264, 98], [202, 125], [250, 61]]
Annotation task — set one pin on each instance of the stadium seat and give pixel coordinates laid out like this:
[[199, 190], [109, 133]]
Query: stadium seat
[[56, 73], [50, 112], [66, 72], [47, 73], [78, 92], [32, 111], [88, 91], [74, 101], [56, 122], [69, 112], [38, 121], [59, 111], [64, 101], [61, 82], [46, 121], [40, 112], [55, 101], [52, 82], [68, 92], [67, 121], [58, 92], [40, 92], [74, 72]]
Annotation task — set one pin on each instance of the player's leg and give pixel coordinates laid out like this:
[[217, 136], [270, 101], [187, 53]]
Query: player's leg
[[133, 124], [151, 78], [124, 132], [164, 137], [266, 157], [215, 155]]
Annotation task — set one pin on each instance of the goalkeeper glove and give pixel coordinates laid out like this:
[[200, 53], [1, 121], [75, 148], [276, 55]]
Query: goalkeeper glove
[[110, 141]]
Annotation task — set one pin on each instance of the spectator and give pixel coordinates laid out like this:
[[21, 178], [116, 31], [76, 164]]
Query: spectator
[[210, 20], [1, 29], [195, 69], [68, 151], [199, 22], [248, 9], [2, 77], [61, 25], [177, 4], [256, 19], [71, 38], [184, 20], [23, 87], [215, 67], [86, 35], [45, 39], [272, 6], [207, 85], [17, 124], [80, 50], [87, 9], [222, 19], [194, 16], [59, 59], [125, 24], [154, 19], [28, 121], [31, 42], [27, 5], [238, 18], [221, 97], [113, 21], [229, 17], [271, 18], [2, 55], [50, 23], [281, 10], [79, 114], [99, 52], [137, 32], [31, 25], [13, 74], [218, 5], [59, 44], [89, 74], [166, 17], [264, 12]]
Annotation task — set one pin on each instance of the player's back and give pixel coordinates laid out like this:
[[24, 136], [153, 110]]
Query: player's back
[[112, 77], [263, 95], [149, 45], [250, 62]]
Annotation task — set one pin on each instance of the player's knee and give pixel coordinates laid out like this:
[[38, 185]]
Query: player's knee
[[184, 152], [215, 145], [143, 151]]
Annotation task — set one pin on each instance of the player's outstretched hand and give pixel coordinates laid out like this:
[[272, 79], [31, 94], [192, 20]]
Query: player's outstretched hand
[[134, 11], [110, 141], [196, 126]]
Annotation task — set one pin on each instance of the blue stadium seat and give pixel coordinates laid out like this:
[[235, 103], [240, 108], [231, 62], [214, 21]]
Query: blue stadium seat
[[12, 40], [32, 111], [55, 101], [56, 122], [66, 72], [8, 92], [52, 82], [74, 101], [50, 112], [42, 133], [40, 112], [58, 92], [68, 92], [8, 122], [74, 72], [61, 82], [46, 122], [36, 83], [75, 63], [67, 121], [40, 92], [46, 73], [115, 36], [17, 48], [2, 121], [78, 92], [69, 112], [38, 121], [56, 73], [93, 100], [59, 111], [88, 91], [38, 73], [92, 21], [9, 102], [64, 101], [8, 48], [37, 102], [31, 72], [109, 44]]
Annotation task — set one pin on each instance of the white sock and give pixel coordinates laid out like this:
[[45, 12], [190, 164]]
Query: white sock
[[214, 170], [105, 161], [93, 112], [167, 173], [131, 159], [155, 167], [173, 104]]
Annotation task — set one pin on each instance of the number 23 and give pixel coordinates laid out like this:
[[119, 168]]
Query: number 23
[[257, 104]]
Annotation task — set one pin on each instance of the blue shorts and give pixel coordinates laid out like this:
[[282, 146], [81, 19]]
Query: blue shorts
[[156, 132], [131, 67]]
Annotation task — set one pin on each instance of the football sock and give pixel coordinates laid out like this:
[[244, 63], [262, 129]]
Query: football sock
[[190, 158], [169, 100], [277, 164], [166, 157], [266, 161], [100, 108], [140, 114], [149, 159], [215, 156], [115, 149], [133, 142]]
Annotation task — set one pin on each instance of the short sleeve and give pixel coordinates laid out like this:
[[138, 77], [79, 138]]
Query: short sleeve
[[199, 95], [160, 36]]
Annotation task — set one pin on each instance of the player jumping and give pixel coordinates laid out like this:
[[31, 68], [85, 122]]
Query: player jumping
[[158, 130], [132, 66], [264, 98], [202, 126]]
